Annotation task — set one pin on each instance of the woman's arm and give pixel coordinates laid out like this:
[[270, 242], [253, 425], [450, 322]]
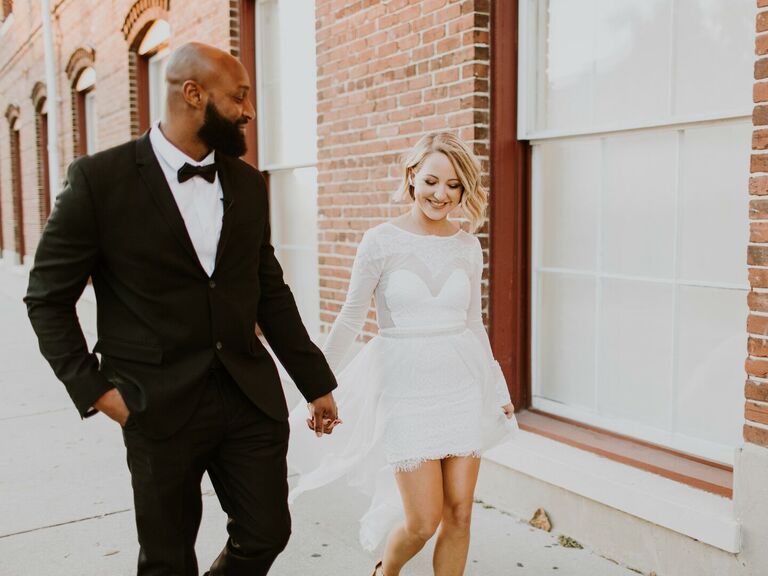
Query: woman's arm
[[366, 272]]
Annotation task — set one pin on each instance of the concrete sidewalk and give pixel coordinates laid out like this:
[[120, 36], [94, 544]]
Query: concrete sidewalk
[[66, 505]]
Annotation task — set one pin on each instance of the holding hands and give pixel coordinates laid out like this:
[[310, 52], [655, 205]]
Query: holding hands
[[509, 410], [323, 415]]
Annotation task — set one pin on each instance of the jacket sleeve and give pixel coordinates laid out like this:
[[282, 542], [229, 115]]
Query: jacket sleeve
[[66, 256], [279, 320]]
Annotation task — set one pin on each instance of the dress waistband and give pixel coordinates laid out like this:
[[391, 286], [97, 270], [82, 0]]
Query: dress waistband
[[422, 331]]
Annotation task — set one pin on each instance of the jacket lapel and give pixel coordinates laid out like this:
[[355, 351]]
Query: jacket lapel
[[153, 177], [227, 187]]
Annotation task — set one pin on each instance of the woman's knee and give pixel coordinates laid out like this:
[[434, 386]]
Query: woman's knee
[[424, 527], [458, 515]]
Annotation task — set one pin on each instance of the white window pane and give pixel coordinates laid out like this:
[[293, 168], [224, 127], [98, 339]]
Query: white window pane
[[287, 82], [90, 123], [300, 269], [715, 54], [714, 205], [631, 61], [569, 65], [635, 355], [710, 367], [607, 62], [565, 348], [157, 86], [293, 214], [638, 204], [568, 194]]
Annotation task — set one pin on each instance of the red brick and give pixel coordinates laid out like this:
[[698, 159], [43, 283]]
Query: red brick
[[758, 209], [755, 367], [755, 435], [760, 115], [758, 185], [758, 277], [756, 390], [758, 301], [757, 325], [762, 21]]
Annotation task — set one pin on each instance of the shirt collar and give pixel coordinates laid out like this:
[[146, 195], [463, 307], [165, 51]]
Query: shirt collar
[[171, 155]]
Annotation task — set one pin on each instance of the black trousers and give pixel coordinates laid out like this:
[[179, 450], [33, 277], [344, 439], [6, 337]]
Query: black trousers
[[243, 451]]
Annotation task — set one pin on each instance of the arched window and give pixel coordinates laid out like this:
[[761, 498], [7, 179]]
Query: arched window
[[85, 101], [147, 32], [40, 102], [12, 115], [153, 55], [82, 79]]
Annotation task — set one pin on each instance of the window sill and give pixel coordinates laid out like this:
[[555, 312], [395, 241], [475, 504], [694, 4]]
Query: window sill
[[627, 481]]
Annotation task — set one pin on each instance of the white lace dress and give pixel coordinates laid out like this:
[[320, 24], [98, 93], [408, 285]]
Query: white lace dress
[[426, 387]]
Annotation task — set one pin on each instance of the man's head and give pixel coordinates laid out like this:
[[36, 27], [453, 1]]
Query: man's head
[[208, 91]]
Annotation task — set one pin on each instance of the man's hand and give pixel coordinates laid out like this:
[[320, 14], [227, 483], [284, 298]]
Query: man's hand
[[113, 405], [509, 410], [323, 415]]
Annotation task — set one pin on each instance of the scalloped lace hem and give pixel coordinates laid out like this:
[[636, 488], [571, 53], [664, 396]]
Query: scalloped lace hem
[[414, 463]]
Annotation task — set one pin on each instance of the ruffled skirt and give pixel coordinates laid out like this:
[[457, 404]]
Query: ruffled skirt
[[409, 396]]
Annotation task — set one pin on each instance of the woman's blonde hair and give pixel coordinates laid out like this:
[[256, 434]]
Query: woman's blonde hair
[[474, 196]]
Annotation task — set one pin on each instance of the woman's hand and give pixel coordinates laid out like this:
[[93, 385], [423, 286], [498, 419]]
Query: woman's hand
[[509, 410]]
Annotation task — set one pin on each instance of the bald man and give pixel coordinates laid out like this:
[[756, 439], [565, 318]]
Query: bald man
[[173, 229]]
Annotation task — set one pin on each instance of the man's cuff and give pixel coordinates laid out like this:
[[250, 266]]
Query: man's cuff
[[88, 391]]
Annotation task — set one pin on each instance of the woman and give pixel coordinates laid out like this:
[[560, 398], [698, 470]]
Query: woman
[[425, 397]]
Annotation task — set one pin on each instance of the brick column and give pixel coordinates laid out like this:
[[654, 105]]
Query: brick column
[[388, 72], [756, 389]]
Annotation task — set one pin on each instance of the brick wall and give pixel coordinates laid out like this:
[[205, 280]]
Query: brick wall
[[387, 73], [756, 389], [90, 24]]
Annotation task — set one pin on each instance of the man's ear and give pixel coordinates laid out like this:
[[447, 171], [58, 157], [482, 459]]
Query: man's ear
[[194, 94]]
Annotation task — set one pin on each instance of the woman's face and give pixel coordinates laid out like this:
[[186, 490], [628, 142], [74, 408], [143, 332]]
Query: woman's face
[[436, 188]]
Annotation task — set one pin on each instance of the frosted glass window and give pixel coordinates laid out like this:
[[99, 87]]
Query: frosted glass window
[[638, 208], [715, 55], [710, 366], [286, 93], [90, 123], [287, 81], [157, 86], [635, 372], [621, 63], [569, 180], [714, 204], [566, 328]]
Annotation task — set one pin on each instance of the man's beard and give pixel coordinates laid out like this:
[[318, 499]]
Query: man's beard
[[221, 134]]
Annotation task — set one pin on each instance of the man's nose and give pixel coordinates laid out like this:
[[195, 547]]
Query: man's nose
[[249, 111]]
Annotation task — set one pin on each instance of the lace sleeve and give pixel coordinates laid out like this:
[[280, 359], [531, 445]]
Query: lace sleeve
[[475, 324], [366, 271]]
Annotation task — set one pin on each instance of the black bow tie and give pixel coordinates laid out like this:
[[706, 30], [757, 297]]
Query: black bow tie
[[188, 171]]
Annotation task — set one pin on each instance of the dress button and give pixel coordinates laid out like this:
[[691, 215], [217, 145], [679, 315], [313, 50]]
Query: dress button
[[218, 346], [212, 284]]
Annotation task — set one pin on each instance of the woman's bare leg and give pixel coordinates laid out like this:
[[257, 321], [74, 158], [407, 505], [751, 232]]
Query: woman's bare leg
[[459, 480], [422, 494]]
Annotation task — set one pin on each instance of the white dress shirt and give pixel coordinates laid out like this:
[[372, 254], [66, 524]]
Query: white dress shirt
[[200, 202]]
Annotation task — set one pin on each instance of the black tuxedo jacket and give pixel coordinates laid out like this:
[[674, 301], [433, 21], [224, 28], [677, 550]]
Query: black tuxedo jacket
[[161, 320]]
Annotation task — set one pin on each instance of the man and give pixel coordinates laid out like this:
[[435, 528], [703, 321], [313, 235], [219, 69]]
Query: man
[[173, 229]]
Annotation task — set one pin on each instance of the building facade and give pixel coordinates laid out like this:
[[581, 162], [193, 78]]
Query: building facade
[[615, 137]]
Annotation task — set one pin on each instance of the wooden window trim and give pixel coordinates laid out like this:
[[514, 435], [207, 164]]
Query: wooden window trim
[[18, 198], [691, 470], [510, 272], [43, 168], [82, 122], [247, 54]]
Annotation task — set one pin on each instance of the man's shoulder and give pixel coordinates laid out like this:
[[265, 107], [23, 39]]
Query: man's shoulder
[[109, 158]]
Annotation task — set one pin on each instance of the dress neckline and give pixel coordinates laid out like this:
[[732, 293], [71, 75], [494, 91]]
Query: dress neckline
[[395, 226]]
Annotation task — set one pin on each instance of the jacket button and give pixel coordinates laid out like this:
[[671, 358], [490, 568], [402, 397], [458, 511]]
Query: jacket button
[[212, 284], [219, 346]]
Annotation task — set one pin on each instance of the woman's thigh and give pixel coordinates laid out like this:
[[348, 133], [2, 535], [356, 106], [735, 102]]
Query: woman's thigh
[[459, 481], [421, 491]]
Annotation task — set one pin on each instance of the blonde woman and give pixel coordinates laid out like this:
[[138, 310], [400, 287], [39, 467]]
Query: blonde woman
[[424, 398]]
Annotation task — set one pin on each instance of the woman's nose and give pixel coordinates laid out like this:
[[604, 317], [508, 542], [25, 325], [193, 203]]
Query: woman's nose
[[440, 193]]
